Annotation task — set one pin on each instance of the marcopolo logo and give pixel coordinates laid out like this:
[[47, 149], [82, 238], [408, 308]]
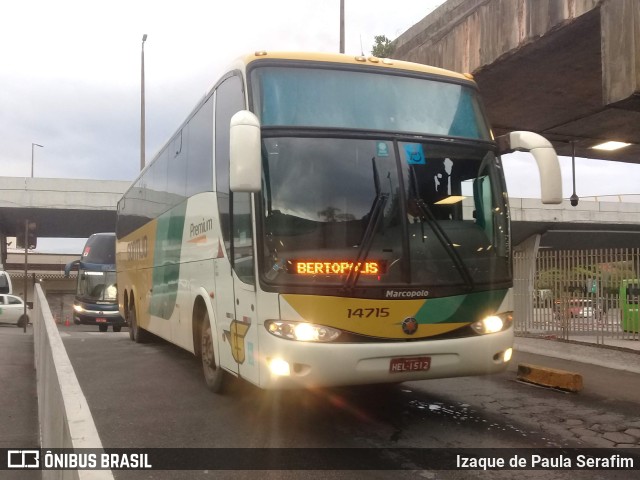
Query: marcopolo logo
[[410, 326], [23, 459], [406, 294]]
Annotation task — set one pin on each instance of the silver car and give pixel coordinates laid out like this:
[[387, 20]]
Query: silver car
[[11, 310]]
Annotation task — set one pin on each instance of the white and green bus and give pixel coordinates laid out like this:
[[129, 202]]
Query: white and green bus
[[326, 220]]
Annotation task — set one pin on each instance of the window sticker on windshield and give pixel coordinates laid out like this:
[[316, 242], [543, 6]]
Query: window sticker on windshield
[[414, 154], [382, 149]]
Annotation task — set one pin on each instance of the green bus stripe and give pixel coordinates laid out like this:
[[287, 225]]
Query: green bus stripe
[[166, 261]]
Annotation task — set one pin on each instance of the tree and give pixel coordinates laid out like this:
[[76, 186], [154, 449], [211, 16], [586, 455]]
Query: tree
[[383, 47]]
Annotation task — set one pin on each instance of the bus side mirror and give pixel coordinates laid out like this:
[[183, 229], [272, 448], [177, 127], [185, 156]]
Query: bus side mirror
[[546, 158], [69, 266], [245, 159]]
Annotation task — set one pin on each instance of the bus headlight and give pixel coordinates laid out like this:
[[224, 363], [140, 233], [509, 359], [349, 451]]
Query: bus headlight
[[301, 331], [78, 308], [493, 323]]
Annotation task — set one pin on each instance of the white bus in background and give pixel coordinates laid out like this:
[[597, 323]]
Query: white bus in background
[[325, 220]]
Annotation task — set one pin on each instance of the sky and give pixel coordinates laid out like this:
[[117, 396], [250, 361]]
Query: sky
[[70, 77]]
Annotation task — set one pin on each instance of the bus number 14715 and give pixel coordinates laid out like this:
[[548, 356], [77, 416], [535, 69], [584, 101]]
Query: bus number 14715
[[367, 312]]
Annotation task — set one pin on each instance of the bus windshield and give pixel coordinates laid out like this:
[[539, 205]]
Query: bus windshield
[[345, 99], [97, 286], [398, 182], [378, 179], [418, 214]]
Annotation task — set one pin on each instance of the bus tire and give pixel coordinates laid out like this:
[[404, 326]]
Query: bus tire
[[103, 328], [136, 333], [213, 374], [117, 328]]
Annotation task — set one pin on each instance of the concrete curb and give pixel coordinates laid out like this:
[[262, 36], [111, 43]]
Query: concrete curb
[[583, 353], [550, 377]]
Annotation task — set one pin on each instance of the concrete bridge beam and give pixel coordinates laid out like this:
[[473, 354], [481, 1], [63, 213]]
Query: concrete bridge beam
[[567, 69]]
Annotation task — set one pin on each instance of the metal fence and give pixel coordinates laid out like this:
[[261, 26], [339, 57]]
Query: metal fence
[[589, 295]]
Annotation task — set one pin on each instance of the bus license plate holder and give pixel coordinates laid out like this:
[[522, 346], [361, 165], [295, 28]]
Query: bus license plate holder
[[409, 364], [101, 320]]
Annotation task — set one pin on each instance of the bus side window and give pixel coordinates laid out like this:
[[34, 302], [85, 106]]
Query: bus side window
[[234, 208]]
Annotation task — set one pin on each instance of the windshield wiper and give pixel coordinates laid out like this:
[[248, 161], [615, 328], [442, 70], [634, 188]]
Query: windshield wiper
[[375, 215], [441, 235]]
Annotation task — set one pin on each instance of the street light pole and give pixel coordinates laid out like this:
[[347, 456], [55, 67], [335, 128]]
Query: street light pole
[[26, 264], [142, 124], [574, 199], [341, 26], [32, 147]]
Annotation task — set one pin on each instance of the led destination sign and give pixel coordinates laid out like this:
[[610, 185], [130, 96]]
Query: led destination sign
[[316, 267]]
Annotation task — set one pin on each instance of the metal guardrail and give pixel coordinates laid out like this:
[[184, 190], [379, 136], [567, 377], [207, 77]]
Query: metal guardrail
[[579, 293]]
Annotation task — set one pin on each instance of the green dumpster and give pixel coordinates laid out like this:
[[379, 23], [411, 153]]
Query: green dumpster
[[629, 299]]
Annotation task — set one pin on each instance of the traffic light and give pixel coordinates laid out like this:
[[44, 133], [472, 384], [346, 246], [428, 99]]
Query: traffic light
[[32, 236]]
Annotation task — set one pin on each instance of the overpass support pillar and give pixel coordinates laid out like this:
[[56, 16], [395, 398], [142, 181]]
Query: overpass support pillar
[[524, 276], [620, 32]]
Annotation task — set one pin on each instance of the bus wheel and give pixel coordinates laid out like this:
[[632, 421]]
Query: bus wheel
[[136, 333], [103, 328], [213, 374], [117, 329]]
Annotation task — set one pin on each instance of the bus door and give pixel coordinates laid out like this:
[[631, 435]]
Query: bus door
[[237, 312], [236, 299]]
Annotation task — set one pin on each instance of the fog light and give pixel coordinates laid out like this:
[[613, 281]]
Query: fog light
[[508, 353], [279, 367]]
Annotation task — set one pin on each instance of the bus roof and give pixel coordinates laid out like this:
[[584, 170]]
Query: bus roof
[[370, 60], [100, 249], [339, 58]]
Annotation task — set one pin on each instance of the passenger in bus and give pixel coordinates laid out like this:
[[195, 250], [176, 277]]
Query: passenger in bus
[[429, 182]]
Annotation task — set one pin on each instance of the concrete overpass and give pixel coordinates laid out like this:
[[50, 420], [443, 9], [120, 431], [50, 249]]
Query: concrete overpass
[[77, 208], [590, 225], [567, 69], [60, 207]]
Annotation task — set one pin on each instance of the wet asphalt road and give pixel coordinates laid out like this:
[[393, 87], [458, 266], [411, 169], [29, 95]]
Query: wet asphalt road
[[152, 395]]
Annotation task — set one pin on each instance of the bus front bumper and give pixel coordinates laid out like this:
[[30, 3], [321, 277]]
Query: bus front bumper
[[291, 364], [89, 317]]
